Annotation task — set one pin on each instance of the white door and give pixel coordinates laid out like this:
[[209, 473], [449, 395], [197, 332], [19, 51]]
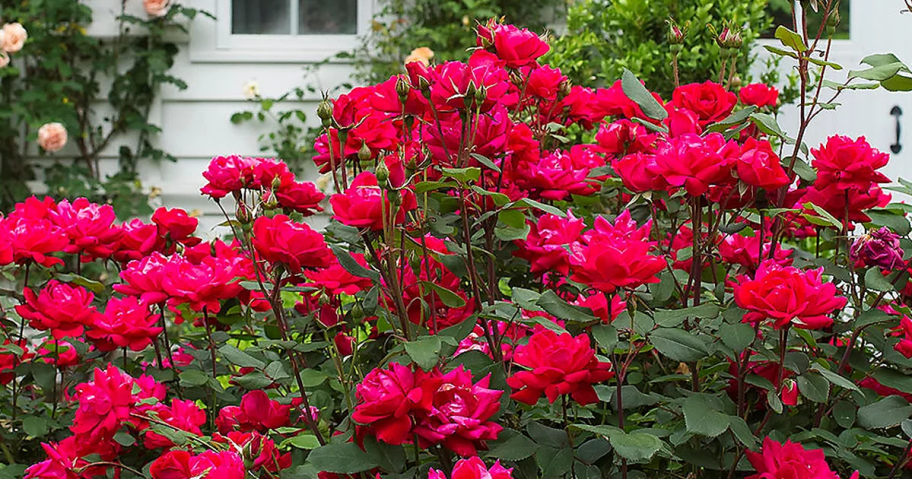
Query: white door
[[875, 26]]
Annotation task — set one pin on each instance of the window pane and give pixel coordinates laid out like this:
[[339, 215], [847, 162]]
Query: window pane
[[328, 17], [261, 17]]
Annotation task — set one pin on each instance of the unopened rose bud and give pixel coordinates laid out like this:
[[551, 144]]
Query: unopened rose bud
[[736, 82], [402, 89], [325, 111], [364, 153], [832, 22], [276, 183], [395, 198], [411, 167], [481, 94], [382, 173], [470, 94], [674, 34], [242, 215], [357, 312], [271, 202]]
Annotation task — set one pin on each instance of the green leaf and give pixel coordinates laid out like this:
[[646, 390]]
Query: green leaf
[[389, 457], [670, 318], [512, 218], [636, 446], [814, 387], [352, 266], [606, 336], [834, 378], [460, 331], [774, 402], [886, 413], [345, 458], [779, 51], [484, 160], [743, 432], [240, 358], [878, 73], [735, 118], [35, 426], [425, 351], [449, 298], [678, 344], [844, 414], [892, 378], [641, 96], [700, 417], [511, 446], [462, 175], [826, 218], [193, 377], [880, 59], [875, 280], [737, 336], [540, 206], [791, 39], [872, 317], [253, 380], [554, 304], [91, 285], [312, 377], [767, 124], [819, 62], [302, 441]]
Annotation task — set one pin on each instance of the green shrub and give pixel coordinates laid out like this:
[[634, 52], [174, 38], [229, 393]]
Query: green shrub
[[604, 37]]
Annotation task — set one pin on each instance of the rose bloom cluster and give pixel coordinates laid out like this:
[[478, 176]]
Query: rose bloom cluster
[[488, 123]]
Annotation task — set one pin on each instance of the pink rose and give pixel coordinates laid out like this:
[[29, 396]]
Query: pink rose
[[4, 58], [13, 38], [52, 137], [156, 8]]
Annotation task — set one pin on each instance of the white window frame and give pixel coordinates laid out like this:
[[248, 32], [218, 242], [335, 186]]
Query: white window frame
[[282, 48]]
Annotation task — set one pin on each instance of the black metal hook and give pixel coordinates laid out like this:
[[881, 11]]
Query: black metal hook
[[896, 112]]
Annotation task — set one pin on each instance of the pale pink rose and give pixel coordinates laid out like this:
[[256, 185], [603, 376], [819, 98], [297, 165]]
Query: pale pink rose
[[156, 8], [52, 137], [14, 37], [4, 59]]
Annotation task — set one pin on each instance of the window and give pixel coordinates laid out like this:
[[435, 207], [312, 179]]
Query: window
[[294, 17], [288, 30], [781, 13]]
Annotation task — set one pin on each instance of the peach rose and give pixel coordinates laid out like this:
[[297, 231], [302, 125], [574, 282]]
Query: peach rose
[[52, 137], [14, 37], [4, 59], [156, 8], [420, 54]]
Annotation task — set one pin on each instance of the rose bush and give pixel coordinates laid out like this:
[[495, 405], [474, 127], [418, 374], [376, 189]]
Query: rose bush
[[686, 296]]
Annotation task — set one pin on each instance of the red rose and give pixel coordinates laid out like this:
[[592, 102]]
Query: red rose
[[545, 246], [295, 245], [696, 163], [559, 364], [544, 83], [89, 226], [360, 205], [710, 101], [518, 47], [616, 257], [790, 460], [759, 166], [138, 241], [788, 295], [176, 225], [227, 174], [460, 413], [848, 163], [759, 95], [63, 309], [303, 197], [34, 239], [634, 171], [388, 397], [451, 90], [126, 323], [624, 137], [173, 465]]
